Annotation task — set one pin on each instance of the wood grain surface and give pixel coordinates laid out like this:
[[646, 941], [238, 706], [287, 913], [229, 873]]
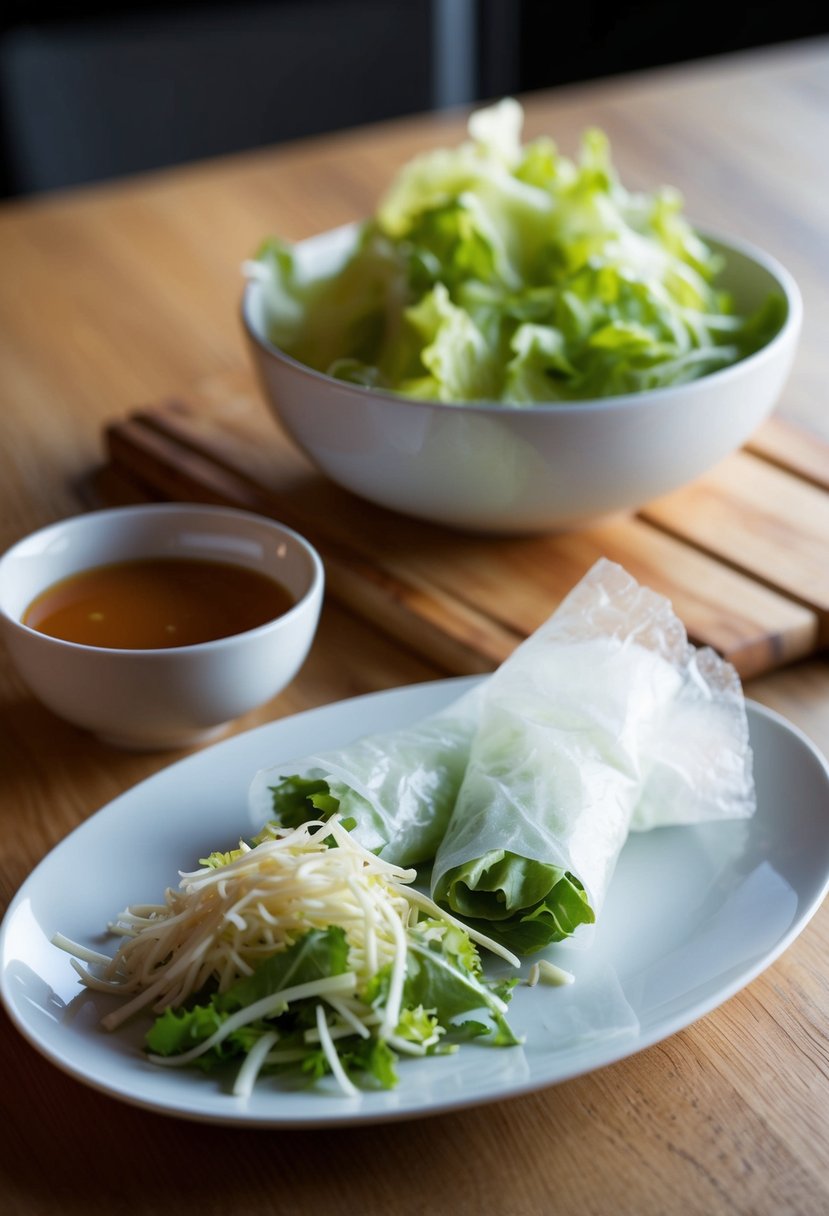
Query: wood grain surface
[[112, 298]]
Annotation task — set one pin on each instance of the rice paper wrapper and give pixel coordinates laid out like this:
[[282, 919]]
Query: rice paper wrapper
[[605, 720], [398, 787]]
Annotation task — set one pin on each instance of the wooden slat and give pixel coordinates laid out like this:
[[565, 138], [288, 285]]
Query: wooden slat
[[756, 628], [792, 447], [760, 520]]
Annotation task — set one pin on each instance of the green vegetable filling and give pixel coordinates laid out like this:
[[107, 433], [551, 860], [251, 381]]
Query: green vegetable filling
[[526, 904], [443, 984], [296, 800]]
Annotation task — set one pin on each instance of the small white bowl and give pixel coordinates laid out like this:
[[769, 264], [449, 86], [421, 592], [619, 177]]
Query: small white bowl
[[160, 698], [506, 469]]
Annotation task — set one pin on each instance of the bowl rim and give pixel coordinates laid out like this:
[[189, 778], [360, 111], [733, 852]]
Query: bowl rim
[[620, 402], [313, 591]]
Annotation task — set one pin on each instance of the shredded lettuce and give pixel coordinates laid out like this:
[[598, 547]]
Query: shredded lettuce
[[504, 272]]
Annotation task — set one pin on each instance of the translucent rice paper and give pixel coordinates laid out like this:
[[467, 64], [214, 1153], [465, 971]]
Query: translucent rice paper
[[605, 720], [399, 787]]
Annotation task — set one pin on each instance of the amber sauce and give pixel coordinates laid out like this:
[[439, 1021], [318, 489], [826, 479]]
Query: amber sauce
[[157, 603]]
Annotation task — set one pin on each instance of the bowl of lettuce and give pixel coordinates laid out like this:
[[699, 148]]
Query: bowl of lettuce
[[516, 342]]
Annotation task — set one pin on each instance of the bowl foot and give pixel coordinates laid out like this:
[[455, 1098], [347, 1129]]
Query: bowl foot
[[162, 743]]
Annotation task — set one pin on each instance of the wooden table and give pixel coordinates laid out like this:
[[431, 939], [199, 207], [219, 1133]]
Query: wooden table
[[126, 293]]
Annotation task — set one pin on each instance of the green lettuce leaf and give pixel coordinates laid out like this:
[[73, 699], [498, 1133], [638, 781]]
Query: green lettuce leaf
[[319, 953], [526, 904], [296, 800], [443, 976], [372, 1058]]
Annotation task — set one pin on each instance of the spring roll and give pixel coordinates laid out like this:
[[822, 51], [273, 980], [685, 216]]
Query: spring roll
[[604, 721], [394, 791]]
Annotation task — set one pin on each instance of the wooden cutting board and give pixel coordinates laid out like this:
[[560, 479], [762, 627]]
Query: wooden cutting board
[[742, 553]]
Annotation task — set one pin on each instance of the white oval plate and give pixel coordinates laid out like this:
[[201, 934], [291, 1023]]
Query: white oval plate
[[693, 915]]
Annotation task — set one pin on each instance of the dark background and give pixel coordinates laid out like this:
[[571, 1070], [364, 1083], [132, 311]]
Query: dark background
[[91, 91]]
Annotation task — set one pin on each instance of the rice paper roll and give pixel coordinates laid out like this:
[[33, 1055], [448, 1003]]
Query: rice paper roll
[[395, 790], [606, 719]]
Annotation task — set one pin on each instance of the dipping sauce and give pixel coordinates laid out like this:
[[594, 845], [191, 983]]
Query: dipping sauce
[[157, 603]]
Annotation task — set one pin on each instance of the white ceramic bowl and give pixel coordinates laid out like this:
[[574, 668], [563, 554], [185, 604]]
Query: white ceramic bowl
[[495, 468], [160, 698]]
